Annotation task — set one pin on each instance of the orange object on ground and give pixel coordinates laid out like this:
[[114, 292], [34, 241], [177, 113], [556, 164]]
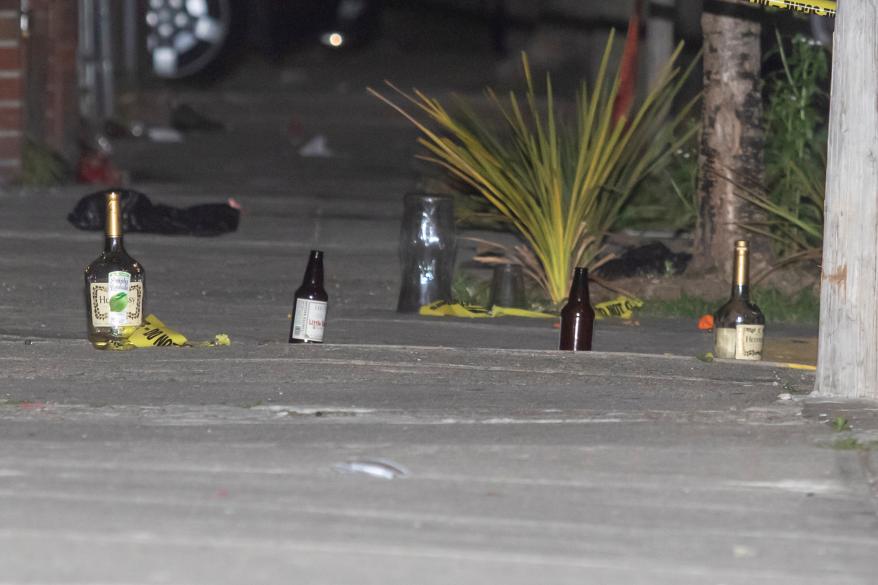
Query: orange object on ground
[[706, 322]]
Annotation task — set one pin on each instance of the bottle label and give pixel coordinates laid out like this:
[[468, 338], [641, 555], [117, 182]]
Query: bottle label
[[117, 302], [309, 320], [744, 342], [724, 343], [748, 342]]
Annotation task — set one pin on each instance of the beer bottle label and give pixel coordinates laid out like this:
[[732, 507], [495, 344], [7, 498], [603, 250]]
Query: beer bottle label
[[309, 320]]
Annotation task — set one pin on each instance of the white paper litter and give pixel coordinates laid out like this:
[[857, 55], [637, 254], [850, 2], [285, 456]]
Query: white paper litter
[[317, 147]]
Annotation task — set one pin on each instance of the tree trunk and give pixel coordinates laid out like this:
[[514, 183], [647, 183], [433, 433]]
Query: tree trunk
[[732, 140], [847, 365]]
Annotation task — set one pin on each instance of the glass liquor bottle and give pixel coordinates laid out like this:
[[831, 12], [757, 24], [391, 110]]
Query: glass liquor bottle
[[114, 287], [309, 304], [577, 316], [739, 324]]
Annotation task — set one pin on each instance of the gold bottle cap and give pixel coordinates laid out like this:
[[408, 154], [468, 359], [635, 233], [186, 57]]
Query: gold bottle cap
[[114, 215]]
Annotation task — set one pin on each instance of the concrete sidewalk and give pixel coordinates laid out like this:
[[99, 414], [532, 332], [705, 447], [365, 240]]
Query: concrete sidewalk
[[193, 466]]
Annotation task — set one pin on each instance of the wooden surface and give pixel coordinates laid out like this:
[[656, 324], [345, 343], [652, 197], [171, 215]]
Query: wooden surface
[[848, 364]]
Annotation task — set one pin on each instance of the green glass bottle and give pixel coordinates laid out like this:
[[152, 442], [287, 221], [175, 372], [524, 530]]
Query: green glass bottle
[[739, 324], [114, 287]]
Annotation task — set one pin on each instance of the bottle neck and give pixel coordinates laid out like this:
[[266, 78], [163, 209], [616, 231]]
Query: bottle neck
[[113, 244], [314, 271], [741, 280], [741, 292], [113, 225], [579, 286]]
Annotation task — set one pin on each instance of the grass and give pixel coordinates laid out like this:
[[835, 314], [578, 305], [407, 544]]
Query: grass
[[841, 424], [778, 307], [853, 444], [684, 306], [43, 167]]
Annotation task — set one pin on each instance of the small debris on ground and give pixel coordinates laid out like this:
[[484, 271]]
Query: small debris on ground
[[317, 147], [163, 134], [380, 468]]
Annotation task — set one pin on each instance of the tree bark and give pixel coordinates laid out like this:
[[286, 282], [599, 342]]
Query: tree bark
[[732, 140], [847, 364]]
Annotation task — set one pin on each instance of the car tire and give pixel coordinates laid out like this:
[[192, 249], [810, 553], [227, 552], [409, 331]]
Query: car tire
[[189, 38]]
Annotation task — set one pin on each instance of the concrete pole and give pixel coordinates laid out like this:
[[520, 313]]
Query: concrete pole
[[659, 36], [848, 361]]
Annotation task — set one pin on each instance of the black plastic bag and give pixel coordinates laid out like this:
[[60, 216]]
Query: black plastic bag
[[653, 259], [139, 214]]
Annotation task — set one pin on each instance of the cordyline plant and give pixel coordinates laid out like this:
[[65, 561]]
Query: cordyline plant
[[561, 183]]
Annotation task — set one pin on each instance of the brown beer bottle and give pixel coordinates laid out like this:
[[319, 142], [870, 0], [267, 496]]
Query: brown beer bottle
[[309, 304], [577, 316]]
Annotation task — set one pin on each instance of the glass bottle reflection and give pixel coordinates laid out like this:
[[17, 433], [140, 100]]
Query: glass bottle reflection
[[427, 248]]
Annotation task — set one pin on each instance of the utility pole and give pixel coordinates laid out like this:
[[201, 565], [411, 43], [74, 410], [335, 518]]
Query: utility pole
[[848, 360]]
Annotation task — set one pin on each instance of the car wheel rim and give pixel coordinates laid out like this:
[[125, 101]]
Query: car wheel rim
[[185, 36]]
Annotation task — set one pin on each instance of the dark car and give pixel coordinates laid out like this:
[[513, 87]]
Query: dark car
[[189, 37]]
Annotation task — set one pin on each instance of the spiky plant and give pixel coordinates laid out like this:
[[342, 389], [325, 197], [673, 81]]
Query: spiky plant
[[561, 183], [797, 228]]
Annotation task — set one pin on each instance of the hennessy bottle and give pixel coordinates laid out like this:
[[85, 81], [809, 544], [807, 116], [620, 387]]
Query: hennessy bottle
[[739, 324], [114, 287], [309, 304], [577, 316]]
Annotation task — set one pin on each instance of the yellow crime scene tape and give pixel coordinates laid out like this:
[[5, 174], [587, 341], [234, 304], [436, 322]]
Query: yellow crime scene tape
[[621, 307], [154, 333], [818, 7]]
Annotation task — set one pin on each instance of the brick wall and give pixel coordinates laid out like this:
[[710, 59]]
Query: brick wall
[[51, 101], [62, 102], [11, 90], [38, 80]]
